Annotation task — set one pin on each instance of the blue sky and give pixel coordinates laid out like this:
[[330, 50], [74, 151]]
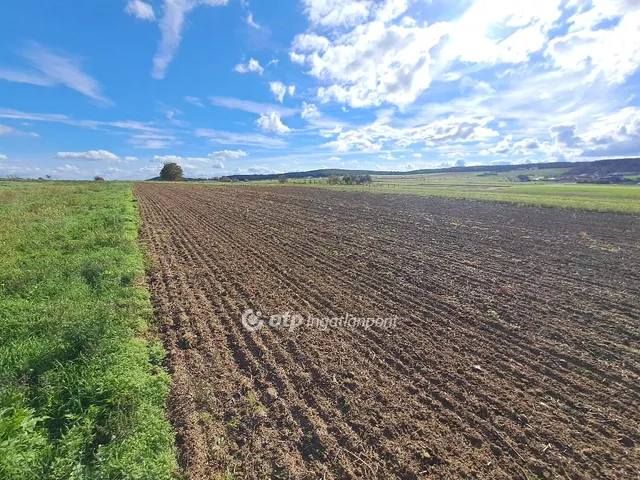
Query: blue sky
[[117, 87]]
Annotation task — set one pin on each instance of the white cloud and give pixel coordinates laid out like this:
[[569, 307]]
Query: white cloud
[[66, 168], [194, 101], [251, 22], [3, 157], [55, 68], [6, 130], [613, 53], [309, 111], [130, 159], [334, 159], [310, 42], [263, 169], [171, 25], [371, 138], [220, 137], [228, 154], [278, 89], [252, 66], [91, 155], [335, 13], [373, 64], [270, 122], [251, 107], [140, 10]]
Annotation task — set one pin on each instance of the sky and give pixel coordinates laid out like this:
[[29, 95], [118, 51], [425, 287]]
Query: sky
[[116, 88]]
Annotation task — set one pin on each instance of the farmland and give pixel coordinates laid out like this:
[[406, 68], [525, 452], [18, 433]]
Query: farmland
[[514, 353], [498, 188]]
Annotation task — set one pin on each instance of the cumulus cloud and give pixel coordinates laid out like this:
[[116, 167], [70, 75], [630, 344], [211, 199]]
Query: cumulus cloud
[[370, 138], [171, 25], [140, 10], [91, 155], [278, 89], [371, 65], [252, 66], [228, 154], [309, 111], [613, 53], [270, 122], [51, 68], [3, 156]]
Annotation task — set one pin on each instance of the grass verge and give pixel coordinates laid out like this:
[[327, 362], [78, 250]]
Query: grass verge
[[81, 391], [598, 198]]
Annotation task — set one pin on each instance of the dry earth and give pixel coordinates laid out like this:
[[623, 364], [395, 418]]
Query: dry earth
[[515, 353]]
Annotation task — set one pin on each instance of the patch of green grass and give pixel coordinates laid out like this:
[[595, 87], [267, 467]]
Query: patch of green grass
[[470, 186], [600, 198], [79, 395]]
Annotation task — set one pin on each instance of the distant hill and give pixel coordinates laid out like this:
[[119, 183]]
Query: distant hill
[[629, 166]]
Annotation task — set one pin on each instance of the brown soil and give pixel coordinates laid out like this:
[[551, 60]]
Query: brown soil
[[516, 353]]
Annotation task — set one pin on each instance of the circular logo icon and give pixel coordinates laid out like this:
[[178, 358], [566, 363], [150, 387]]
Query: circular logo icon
[[252, 321]]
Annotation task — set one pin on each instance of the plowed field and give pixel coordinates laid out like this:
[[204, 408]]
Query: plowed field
[[516, 351]]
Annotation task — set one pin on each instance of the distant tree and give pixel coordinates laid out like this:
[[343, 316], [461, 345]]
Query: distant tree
[[98, 178], [333, 180], [349, 179], [172, 172], [364, 179], [282, 179]]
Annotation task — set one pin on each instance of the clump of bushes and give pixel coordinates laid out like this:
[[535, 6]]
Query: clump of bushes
[[350, 179]]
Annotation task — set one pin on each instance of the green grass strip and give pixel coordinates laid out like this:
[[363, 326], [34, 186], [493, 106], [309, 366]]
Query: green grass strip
[[82, 390]]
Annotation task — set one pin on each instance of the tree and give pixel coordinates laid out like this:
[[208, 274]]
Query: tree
[[98, 178], [171, 172], [349, 179], [282, 179]]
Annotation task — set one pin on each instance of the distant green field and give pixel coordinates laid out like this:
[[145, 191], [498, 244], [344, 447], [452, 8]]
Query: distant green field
[[498, 188], [81, 392]]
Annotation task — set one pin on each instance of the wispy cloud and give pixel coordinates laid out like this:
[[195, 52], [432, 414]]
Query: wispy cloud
[[235, 138], [143, 134], [51, 68], [251, 22], [251, 107], [6, 131], [194, 101], [171, 25]]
